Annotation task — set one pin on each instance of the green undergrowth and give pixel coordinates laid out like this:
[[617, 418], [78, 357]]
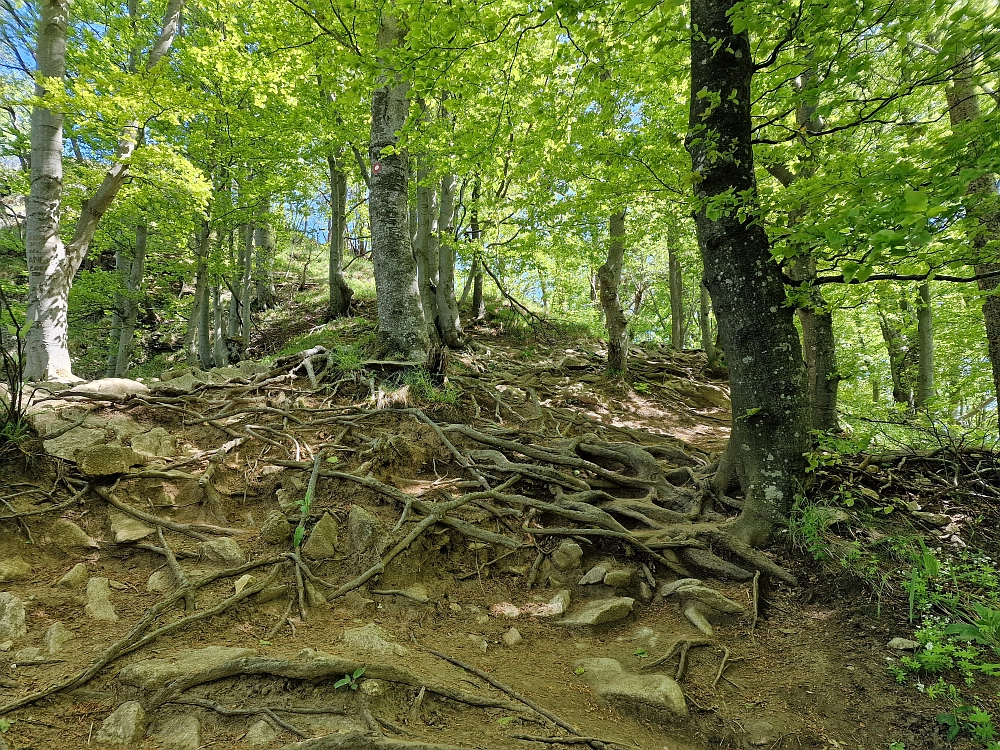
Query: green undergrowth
[[853, 518]]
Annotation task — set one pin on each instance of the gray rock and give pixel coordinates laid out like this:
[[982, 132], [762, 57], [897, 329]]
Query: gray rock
[[224, 553], [314, 596], [567, 556], [69, 537], [106, 460], [715, 606], [260, 733], [558, 604], [322, 542], [179, 733], [113, 389], [511, 638], [243, 581], [647, 696], [14, 569], [26, 655], [126, 528], [97, 600], [56, 637], [157, 443], [276, 529], [66, 445], [364, 530], [594, 575], [669, 588], [75, 578], [161, 581], [645, 592], [760, 733], [126, 726], [12, 617], [372, 639], [934, 519], [903, 644], [152, 674], [360, 604], [619, 579], [600, 612], [182, 385]]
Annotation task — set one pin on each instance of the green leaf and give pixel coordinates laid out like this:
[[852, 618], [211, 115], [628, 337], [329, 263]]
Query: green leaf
[[579, 670], [916, 202]]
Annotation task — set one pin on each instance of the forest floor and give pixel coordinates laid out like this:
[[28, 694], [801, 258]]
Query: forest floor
[[153, 570]]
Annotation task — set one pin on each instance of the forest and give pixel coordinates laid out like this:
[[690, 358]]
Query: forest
[[693, 304]]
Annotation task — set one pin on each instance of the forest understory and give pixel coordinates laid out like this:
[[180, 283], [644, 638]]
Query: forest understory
[[331, 553]]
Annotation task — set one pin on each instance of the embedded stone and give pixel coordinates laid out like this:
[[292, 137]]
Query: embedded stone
[[106, 460], [75, 578], [372, 639], [511, 638], [157, 443], [69, 537], [224, 553], [12, 617], [109, 389], [567, 556], [600, 612], [594, 575], [56, 636], [364, 530], [66, 445], [619, 579], [643, 696], [276, 529], [161, 581], [126, 726], [180, 733], [903, 644], [126, 528], [97, 600], [322, 542], [260, 733], [14, 569]]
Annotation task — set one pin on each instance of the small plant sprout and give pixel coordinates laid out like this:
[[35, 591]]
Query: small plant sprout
[[350, 680]]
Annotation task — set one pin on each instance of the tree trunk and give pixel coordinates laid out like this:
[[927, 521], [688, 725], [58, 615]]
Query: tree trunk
[[963, 107], [478, 309], [925, 343], [449, 322], [220, 351], [117, 313], [265, 296], [609, 279], [340, 293], [137, 269], [705, 324], [191, 339], [819, 347], [897, 333], [400, 318], [202, 305], [425, 250], [51, 264], [756, 329], [676, 296]]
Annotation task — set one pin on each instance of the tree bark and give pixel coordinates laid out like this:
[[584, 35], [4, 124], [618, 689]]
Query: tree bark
[[478, 308], [130, 310], [340, 292], [925, 342], [203, 302], [609, 279], [449, 322], [400, 318], [676, 296], [425, 249], [705, 324], [819, 346], [117, 312], [756, 329], [963, 108], [220, 351]]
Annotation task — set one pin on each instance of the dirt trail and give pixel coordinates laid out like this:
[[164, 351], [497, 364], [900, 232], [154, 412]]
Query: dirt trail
[[174, 512]]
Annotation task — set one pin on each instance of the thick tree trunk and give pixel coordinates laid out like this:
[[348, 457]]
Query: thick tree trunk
[[756, 329], [819, 347], [340, 293], [130, 308], [449, 322], [400, 318], [220, 352], [202, 303], [676, 296], [609, 279], [51, 264], [925, 342], [963, 107], [478, 309], [705, 324], [117, 312]]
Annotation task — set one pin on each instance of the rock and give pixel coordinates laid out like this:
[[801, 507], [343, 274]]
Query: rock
[[619, 579], [417, 592], [567, 556], [360, 604], [260, 733], [705, 607], [314, 596], [180, 733], [760, 733], [126, 528], [600, 612], [56, 637], [223, 553], [669, 588], [69, 537], [126, 726], [511, 638], [161, 581], [182, 385], [243, 581], [157, 443], [26, 655], [648, 696], [903, 644], [97, 600], [106, 460], [363, 530], [113, 389], [12, 617], [14, 569], [152, 674], [66, 445], [76, 578], [322, 542], [372, 639], [276, 529], [558, 604], [594, 575], [645, 592], [934, 519]]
